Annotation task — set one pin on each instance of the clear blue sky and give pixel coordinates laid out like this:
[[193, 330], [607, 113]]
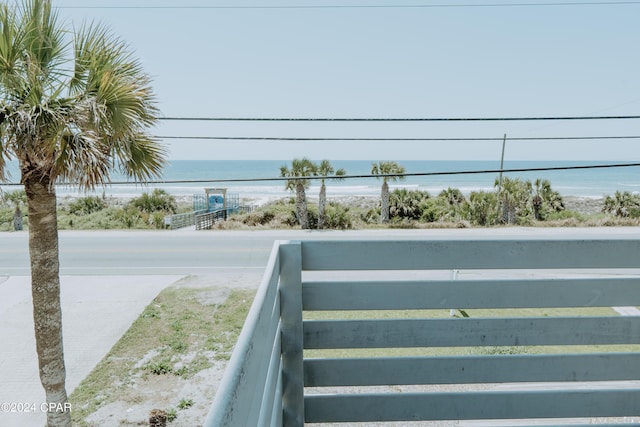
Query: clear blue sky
[[385, 62]]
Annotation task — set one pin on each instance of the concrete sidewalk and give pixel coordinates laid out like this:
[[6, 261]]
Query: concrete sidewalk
[[97, 310]]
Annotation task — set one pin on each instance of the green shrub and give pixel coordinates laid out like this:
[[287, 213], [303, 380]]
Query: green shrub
[[6, 219], [172, 414], [406, 204], [337, 217], [623, 204], [130, 217], [522, 202], [158, 201], [185, 403], [514, 196], [483, 208], [161, 367], [436, 209], [261, 217], [87, 205], [13, 198], [157, 220], [545, 201], [564, 215], [372, 216]]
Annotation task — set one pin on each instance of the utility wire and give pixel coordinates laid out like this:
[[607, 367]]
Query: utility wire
[[269, 138], [373, 6], [468, 172], [392, 119], [310, 178]]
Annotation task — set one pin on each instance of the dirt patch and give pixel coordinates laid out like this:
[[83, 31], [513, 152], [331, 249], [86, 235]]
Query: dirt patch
[[172, 358], [166, 392]]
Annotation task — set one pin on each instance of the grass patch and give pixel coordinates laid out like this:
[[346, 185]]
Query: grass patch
[[175, 325]]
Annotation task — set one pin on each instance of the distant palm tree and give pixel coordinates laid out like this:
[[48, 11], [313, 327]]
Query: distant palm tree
[[453, 197], [623, 204], [323, 170], [300, 168], [545, 199], [514, 195], [70, 111], [382, 169]]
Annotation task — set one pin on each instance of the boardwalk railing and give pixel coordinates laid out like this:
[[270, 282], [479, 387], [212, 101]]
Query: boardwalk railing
[[593, 364], [205, 221], [183, 220], [202, 219]]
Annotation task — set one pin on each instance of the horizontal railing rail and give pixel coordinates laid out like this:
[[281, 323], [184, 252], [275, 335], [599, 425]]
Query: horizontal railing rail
[[549, 305], [202, 219], [182, 220], [205, 221]]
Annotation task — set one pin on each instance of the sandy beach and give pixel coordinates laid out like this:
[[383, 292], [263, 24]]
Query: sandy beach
[[584, 205]]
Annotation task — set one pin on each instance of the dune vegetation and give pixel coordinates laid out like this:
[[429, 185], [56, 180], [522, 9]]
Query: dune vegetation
[[514, 203]]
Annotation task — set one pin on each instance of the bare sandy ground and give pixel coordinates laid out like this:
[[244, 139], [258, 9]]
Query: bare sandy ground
[[143, 394]]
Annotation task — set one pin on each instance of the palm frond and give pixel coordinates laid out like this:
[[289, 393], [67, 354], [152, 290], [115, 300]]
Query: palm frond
[[11, 36], [299, 168], [140, 157], [3, 161], [386, 168], [325, 168], [44, 37], [74, 114], [108, 77], [82, 159]]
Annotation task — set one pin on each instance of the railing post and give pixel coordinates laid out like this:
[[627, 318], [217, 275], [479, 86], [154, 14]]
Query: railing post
[[291, 318]]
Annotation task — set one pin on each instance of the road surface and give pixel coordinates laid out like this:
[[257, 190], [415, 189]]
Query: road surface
[[116, 252]]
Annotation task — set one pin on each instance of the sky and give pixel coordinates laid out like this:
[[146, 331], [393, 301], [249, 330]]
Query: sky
[[445, 59]]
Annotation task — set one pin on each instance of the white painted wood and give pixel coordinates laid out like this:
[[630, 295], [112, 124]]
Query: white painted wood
[[471, 369], [467, 294], [448, 332], [270, 394], [291, 327], [266, 333], [471, 405], [231, 406], [469, 254], [258, 373]]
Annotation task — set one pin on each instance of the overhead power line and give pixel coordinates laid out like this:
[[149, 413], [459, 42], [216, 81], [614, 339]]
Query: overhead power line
[[280, 138], [468, 172], [393, 119], [371, 6], [411, 174]]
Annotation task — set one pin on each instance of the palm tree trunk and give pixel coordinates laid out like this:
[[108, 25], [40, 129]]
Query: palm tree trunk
[[45, 289], [322, 205], [301, 206], [384, 203]]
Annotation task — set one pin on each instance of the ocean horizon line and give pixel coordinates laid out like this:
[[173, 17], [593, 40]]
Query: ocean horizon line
[[252, 178]]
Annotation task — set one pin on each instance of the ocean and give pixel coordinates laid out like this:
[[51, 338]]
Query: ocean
[[188, 177]]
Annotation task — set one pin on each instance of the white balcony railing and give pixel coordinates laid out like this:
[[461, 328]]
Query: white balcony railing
[[592, 364]]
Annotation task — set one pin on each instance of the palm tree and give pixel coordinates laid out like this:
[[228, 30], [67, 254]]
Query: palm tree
[[388, 171], [300, 168], [71, 110], [545, 199], [324, 170], [515, 196], [623, 204]]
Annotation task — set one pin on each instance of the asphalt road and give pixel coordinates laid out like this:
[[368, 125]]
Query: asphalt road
[[144, 253], [180, 252]]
